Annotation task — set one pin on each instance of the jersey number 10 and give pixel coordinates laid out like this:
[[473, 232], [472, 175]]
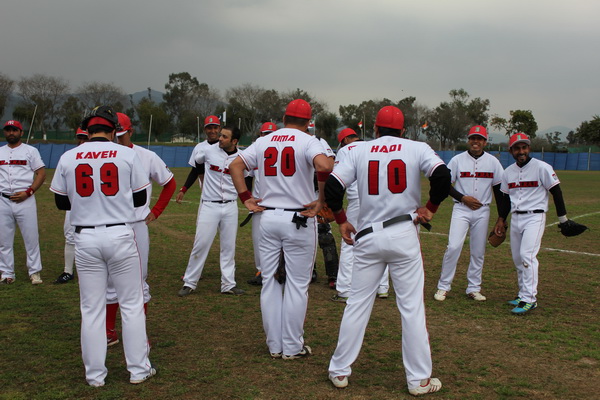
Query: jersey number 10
[[396, 176], [109, 178]]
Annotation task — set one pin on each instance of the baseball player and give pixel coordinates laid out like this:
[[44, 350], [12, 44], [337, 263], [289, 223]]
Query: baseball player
[[218, 210], [101, 182], [252, 181], [68, 229], [212, 129], [475, 174], [387, 172], [157, 171], [527, 183], [349, 139], [286, 162], [22, 172]]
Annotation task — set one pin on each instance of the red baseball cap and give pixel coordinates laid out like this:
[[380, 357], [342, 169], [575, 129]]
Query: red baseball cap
[[344, 133], [14, 123], [299, 108], [268, 127], [212, 120], [125, 123], [390, 117], [478, 130], [518, 138], [81, 132]]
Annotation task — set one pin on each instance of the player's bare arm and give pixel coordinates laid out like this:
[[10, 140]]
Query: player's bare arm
[[38, 181], [236, 170]]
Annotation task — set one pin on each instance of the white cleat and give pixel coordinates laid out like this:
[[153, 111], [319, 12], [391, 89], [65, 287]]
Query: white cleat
[[476, 296], [430, 385], [440, 295], [339, 382]]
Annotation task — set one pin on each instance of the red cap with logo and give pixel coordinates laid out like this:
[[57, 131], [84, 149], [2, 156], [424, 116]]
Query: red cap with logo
[[390, 117], [518, 138], [344, 133], [81, 132], [478, 130], [211, 120], [125, 123], [268, 127], [299, 108], [14, 123]]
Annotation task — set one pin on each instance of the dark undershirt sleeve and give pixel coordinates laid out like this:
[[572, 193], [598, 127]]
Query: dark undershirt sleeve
[[139, 198], [440, 182], [559, 202], [191, 178], [334, 194], [455, 194], [62, 202]]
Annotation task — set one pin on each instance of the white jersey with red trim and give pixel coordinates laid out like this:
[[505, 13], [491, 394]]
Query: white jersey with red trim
[[388, 183], [197, 149], [17, 166], [105, 176], [528, 186], [278, 156], [156, 170], [475, 176], [326, 148], [217, 185], [352, 190]]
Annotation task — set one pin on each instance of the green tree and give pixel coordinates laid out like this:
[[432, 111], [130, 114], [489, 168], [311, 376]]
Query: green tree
[[72, 112], [95, 93], [148, 110], [519, 121], [326, 126], [6, 87], [553, 140], [589, 131]]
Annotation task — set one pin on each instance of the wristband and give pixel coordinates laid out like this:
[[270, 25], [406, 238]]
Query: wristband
[[245, 196], [183, 189], [340, 217], [563, 218], [431, 207], [29, 191], [322, 176]]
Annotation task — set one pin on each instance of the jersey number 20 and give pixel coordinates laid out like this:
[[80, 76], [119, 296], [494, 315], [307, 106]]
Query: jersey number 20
[[287, 163], [396, 176], [109, 178]]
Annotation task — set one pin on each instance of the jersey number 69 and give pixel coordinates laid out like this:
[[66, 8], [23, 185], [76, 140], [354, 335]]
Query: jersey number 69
[[109, 179]]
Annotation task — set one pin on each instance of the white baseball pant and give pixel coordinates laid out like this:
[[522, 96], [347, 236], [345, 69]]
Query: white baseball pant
[[255, 239], [372, 253], [69, 232], [526, 232]]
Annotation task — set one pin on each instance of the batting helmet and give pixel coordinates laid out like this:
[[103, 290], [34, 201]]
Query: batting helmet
[[390, 117], [101, 115], [518, 138]]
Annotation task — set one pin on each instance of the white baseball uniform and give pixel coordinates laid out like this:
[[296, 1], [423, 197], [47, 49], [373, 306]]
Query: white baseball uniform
[[387, 171], [255, 218], [17, 167], [157, 171], [99, 178], [69, 232], [528, 190], [218, 211], [472, 177], [344, 277], [286, 172]]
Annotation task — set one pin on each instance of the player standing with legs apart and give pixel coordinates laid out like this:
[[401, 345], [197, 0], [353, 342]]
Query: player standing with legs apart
[[68, 229], [527, 183], [286, 162], [387, 171], [101, 182], [349, 139], [22, 172], [157, 171], [475, 175], [218, 210]]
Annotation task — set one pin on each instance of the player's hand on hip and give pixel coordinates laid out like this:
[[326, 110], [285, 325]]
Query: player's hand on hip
[[252, 205], [424, 215], [471, 202], [346, 230], [150, 217], [179, 197], [312, 208], [19, 197]]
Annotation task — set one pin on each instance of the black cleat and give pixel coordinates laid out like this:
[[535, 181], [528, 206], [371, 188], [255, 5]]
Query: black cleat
[[64, 278]]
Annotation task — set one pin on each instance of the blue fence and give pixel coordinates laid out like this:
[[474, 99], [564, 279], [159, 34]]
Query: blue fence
[[178, 156]]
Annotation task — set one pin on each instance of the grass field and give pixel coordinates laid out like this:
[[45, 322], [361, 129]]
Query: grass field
[[210, 346]]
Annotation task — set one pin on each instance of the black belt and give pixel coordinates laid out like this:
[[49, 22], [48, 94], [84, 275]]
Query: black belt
[[530, 212], [78, 229], [217, 201], [395, 220], [286, 209], [6, 195]]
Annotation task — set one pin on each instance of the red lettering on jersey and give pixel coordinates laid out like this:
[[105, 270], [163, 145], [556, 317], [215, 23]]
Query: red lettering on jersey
[[215, 168], [14, 162], [385, 149], [524, 184], [283, 138], [96, 154], [467, 174], [226, 171], [374, 149]]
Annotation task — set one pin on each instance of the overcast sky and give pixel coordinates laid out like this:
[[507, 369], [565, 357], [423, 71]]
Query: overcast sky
[[538, 55]]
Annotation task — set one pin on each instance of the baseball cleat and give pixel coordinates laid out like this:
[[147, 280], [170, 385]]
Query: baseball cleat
[[36, 279], [256, 280], [305, 352], [144, 379], [184, 291], [514, 302], [430, 385], [314, 276], [440, 295], [338, 299], [111, 337], [332, 283], [64, 278], [339, 381], [523, 307], [384, 295], [477, 296], [7, 281], [235, 291], [275, 355]]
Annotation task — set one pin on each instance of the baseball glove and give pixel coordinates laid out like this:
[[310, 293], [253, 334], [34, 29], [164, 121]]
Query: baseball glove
[[325, 216], [571, 228], [495, 240]]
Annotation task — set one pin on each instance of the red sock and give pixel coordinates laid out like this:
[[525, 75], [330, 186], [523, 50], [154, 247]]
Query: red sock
[[111, 316], [146, 308]]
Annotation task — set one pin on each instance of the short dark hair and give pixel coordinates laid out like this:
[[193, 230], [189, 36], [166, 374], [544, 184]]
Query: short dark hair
[[99, 129], [236, 133], [385, 131], [295, 120], [353, 136]]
